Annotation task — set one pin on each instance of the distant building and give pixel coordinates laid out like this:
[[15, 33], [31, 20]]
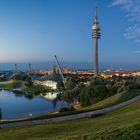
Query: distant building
[[49, 80], [137, 74]]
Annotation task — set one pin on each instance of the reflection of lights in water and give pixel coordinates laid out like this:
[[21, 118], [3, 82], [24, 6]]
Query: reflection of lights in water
[[9, 105], [30, 114], [2, 90], [50, 95]]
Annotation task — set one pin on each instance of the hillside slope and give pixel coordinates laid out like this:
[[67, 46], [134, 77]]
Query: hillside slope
[[120, 124]]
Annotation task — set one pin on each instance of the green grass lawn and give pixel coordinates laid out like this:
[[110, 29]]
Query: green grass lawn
[[32, 90], [122, 124], [10, 85], [6, 86]]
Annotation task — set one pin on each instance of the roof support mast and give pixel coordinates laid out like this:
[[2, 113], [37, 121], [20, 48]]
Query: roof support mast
[[30, 68], [60, 70]]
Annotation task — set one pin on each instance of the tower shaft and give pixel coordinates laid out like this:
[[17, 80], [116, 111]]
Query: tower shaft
[[96, 58]]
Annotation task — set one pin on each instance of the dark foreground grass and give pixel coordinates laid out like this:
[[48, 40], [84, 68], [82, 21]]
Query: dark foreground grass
[[122, 124]]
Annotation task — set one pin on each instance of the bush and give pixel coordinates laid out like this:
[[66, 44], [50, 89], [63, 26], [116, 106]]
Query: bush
[[16, 84], [60, 85], [86, 96], [28, 81], [65, 109], [93, 94]]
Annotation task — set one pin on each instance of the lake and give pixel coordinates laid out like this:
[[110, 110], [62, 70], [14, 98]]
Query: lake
[[17, 105]]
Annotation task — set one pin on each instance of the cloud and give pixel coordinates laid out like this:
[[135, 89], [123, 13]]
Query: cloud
[[133, 32], [126, 4], [132, 14], [137, 52], [137, 40]]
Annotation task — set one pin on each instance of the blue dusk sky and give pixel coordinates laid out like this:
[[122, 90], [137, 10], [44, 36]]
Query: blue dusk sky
[[35, 30]]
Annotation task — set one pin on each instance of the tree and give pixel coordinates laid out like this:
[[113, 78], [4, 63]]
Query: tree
[[86, 96], [97, 81], [68, 96], [100, 93], [16, 84], [70, 84], [28, 82], [93, 94], [72, 96], [60, 85]]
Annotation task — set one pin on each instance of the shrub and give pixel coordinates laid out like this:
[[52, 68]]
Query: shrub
[[93, 94], [65, 109]]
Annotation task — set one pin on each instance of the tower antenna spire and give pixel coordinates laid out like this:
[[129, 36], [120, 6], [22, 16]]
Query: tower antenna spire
[[96, 10], [96, 13], [96, 37]]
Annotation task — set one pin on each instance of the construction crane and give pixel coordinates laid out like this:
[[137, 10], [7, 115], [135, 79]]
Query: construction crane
[[60, 70]]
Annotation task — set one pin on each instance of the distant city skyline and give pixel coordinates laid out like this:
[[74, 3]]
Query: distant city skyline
[[36, 30]]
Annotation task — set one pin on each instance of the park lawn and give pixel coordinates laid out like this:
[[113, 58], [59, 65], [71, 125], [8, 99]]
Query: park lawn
[[120, 124], [6, 86], [11, 85]]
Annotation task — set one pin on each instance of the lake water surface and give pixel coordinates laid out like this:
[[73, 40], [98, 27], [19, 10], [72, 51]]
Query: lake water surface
[[17, 105]]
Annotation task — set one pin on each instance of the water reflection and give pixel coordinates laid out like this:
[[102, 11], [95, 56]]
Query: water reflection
[[21, 94], [0, 114], [18, 105]]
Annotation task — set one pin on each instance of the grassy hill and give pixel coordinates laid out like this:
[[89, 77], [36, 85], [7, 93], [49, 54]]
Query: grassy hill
[[122, 124], [113, 100]]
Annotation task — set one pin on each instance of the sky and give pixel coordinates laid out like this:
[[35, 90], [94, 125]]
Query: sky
[[36, 30]]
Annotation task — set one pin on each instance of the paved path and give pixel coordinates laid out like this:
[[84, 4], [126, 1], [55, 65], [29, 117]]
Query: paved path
[[70, 117]]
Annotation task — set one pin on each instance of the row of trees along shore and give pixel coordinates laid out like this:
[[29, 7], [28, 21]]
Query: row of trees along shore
[[97, 89]]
